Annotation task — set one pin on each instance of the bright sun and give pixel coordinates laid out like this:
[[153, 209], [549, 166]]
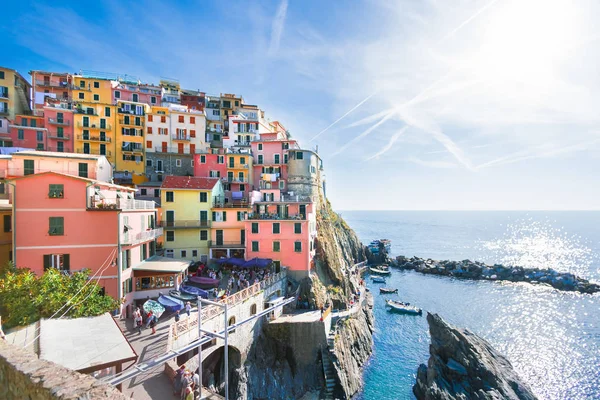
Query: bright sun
[[525, 38]]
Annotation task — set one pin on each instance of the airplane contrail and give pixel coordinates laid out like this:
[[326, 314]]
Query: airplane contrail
[[342, 117]]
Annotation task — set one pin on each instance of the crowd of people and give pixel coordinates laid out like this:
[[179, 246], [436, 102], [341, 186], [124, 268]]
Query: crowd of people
[[242, 278], [186, 384]]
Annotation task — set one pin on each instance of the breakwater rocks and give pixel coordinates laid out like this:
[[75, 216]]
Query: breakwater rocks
[[464, 366], [476, 270]]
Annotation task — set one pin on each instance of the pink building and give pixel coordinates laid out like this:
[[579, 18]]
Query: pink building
[[210, 165], [137, 93], [73, 223], [271, 159], [28, 131], [35, 162], [59, 124], [283, 229]]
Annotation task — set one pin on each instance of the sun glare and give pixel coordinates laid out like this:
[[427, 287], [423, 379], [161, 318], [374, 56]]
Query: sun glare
[[526, 38]]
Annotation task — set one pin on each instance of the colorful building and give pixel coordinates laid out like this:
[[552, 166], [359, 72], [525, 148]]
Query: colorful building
[[15, 97], [59, 121], [187, 204], [6, 223], [28, 131], [54, 85], [193, 99], [239, 174], [211, 164], [72, 223], [130, 127], [214, 122], [136, 93], [228, 230], [271, 155]]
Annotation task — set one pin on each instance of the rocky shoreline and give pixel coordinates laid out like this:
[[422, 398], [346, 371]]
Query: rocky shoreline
[[477, 270], [464, 366]]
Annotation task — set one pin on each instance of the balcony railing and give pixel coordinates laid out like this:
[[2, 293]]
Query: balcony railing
[[131, 122], [94, 126], [140, 237], [288, 199], [54, 135], [242, 143], [61, 122], [132, 149], [129, 112], [228, 179], [86, 112], [224, 244], [183, 224], [237, 203], [216, 144], [275, 216], [61, 85], [120, 204], [237, 166], [172, 150], [89, 138], [176, 136], [94, 152]]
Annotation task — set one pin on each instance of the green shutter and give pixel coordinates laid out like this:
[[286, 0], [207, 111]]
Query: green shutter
[[224, 216], [214, 216], [66, 262], [47, 261]]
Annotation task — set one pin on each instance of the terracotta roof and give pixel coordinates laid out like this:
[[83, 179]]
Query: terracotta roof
[[93, 181], [189, 182]]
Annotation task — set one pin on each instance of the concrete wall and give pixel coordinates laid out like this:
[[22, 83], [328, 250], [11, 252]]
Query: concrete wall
[[24, 376]]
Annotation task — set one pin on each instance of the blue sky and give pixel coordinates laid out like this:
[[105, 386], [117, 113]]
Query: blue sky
[[446, 104]]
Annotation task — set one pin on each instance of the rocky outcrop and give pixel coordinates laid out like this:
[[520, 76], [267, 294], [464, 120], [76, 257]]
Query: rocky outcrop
[[476, 270], [464, 366]]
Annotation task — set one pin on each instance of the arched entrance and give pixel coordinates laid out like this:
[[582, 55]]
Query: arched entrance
[[213, 371]]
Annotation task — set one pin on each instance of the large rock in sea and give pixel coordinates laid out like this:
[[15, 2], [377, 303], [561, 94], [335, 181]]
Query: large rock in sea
[[464, 366]]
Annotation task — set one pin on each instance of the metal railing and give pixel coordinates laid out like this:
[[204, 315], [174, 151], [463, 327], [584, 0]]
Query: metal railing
[[121, 204], [134, 238], [132, 149], [176, 136], [228, 179], [94, 126], [61, 85], [86, 112], [185, 224], [132, 122], [225, 244], [287, 199], [55, 135], [130, 112], [106, 153], [55, 121], [191, 323], [238, 166], [237, 203], [94, 138], [277, 217]]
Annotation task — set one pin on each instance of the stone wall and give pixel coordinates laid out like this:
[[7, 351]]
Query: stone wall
[[169, 165], [24, 376]]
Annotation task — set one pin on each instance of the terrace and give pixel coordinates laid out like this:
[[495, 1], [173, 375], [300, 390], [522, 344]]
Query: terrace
[[119, 204]]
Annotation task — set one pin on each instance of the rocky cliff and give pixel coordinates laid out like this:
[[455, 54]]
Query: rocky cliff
[[464, 366]]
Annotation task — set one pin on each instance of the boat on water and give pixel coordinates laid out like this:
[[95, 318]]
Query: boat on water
[[376, 245], [384, 290], [171, 304], [379, 271], [404, 308], [154, 306], [203, 282], [378, 279], [183, 296], [194, 291]]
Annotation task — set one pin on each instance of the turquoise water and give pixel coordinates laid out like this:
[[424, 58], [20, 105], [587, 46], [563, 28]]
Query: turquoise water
[[552, 338]]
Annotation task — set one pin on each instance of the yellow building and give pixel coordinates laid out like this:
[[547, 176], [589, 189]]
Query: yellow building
[[94, 117], [130, 148], [239, 173], [228, 233], [186, 204], [15, 95], [5, 234]]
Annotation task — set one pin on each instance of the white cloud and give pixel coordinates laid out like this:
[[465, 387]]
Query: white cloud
[[277, 27], [389, 145]]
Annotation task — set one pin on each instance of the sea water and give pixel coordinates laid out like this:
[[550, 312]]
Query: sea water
[[552, 338]]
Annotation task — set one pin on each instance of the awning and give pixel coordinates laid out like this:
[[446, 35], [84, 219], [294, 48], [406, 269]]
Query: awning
[[258, 263], [239, 262], [237, 195], [162, 264]]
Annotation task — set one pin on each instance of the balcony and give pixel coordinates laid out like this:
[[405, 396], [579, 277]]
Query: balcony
[[132, 149], [237, 203], [179, 137], [276, 217], [132, 132], [171, 150], [131, 122], [88, 138], [60, 122], [94, 152], [234, 179], [135, 238], [120, 204], [129, 112], [220, 244], [185, 224], [60, 85], [243, 143], [238, 166], [4, 111], [55, 135], [216, 144], [94, 126], [87, 111], [288, 199]]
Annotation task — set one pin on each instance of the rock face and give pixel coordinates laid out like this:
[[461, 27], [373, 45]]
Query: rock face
[[464, 366], [476, 270]]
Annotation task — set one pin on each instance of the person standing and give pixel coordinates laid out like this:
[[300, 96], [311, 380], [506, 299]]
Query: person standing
[[177, 381], [148, 318], [153, 321], [138, 320], [188, 308]]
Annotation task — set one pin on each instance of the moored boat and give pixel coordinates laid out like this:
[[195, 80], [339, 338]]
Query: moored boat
[[384, 290], [404, 308], [380, 271], [182, 295], [378, 279], [171, 304], [203, 282], [194, 291]]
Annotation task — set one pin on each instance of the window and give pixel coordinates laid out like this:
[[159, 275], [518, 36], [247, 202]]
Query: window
[[56, 226], [240, 215], [150, 130], [192, 120], [285, 158], [143, 192], [298, 227], [276, 246], [154, 282], [40, 146], [56, 191], [80, 95], [169, 197], [192, 133], [7, 223], [96, 97], [149, 117], [170, 236], [255, 227], [60, 147], [58, 261], [117, 94], [243, 160], [40, 136], [260, 146], [138, 121], [276, 158], [1, 74], [83, 170], [107, 111], [24, 121], [153, 100], [255, 246], [28, 167], [60, 132], [82, 84], [178, 162], [203, 159], [183, 254], [220, 159], [163, 119], [299, 155], [20, 134], [194, 253], [216, 112], [97, 85], [181, 118], [149, 146], [242, 188], [253, 306], [203, 197], [260, 159], [281, 184], [135, 97], [276, 227], [298, 247], [203, 235]]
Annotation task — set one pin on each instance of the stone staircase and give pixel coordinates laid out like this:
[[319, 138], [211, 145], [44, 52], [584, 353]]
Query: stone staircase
[[22, 97], [328, 369]]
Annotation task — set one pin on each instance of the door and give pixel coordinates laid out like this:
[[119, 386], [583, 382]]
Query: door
[[170, 218], [231, 162], [86, 121], [241, 176], [86, 148], [230, 176], [219, 237], [159, 165], [203, 218], [103, 136], [303, 210], [103, 149], [243, 236]]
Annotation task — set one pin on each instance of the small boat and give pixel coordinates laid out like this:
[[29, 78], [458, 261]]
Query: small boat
[[171, 304], [384, 290], [404, 308], [378, 279], [182, 295], [204, 281], [194, 291], [380, 271], [154, 306]]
